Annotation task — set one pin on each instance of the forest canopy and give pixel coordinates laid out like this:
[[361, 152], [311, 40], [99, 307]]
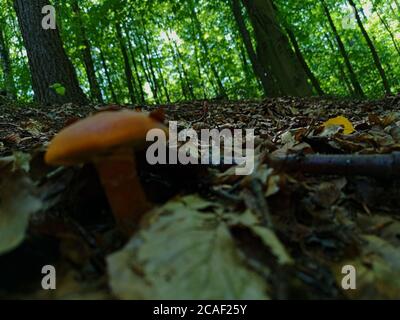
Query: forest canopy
[[151, 51]]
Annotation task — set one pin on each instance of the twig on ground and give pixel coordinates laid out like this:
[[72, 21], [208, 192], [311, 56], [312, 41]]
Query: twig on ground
[[378, 166]]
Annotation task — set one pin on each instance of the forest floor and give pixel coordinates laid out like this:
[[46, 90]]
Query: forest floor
[[275, 234]]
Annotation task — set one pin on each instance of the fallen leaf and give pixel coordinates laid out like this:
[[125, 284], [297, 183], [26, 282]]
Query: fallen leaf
[[341, 121], [267, 236], [377, 271], [184, 254], [17, 203], [71, 287], [327, 193], [21, 161]]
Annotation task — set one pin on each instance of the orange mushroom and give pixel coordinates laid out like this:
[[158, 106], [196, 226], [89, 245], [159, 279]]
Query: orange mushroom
[[108, 139]]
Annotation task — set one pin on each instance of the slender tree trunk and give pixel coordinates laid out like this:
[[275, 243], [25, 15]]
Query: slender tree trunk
[[181, 78], [249, 73], [397, 2], [222, 92], [345, 79], [149, 78], [197, 60], [353, 78], [87, 55], [372, 48], [268, 83], [274, 50], [15, 28], [9, 85], [342, 74], [396, 14], [19, 44], [139, 60], [187, 88], [143, 63], [149, 60], [19, 47], [127, 66], [48, 60], [303, 62], [107, 73], [138, 76], [391, 34], [125, 37], [136, 68], [164, 83], [202, 61], [180, 73], [185, 72], [155, 63]]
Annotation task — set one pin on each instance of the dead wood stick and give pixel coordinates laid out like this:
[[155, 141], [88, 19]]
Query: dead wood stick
[[380, 165]]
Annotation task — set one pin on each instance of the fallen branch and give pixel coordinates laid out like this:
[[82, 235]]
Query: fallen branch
[[379, 166]]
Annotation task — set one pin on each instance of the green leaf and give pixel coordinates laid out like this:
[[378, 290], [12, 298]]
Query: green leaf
[[184, 254], [58, 88]]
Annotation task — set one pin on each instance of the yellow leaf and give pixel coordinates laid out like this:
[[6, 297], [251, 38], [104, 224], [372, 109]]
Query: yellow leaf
[[340, 121]]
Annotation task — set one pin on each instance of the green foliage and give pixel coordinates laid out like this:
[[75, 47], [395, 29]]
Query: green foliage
[[173, 65], [316, 40], [58, 88]]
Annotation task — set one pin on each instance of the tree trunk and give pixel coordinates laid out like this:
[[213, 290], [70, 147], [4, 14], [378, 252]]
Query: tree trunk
[[353, 78], [87, 55], [149, 61], [197, 60], [19, 44], [185, 72], [48, 60], [143, 61], [136, 68], [274, 51], [9, 85], [180, 72], [268, 84], [127, 66], [222, 92], [387, 27], [249, 73], [187, 88], [372, 48], [303, 62], [397, 2], [342, 74], [164, 83], [107, 73]]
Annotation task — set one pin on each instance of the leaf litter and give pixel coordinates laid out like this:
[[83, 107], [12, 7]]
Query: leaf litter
[[277, 234], [188, 250], [18, 201]]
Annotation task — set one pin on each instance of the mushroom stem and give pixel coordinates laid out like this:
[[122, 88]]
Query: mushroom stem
[[124, 192]]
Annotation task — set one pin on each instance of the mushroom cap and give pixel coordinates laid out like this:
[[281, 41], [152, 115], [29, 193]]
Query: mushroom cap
[[99, 134]]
